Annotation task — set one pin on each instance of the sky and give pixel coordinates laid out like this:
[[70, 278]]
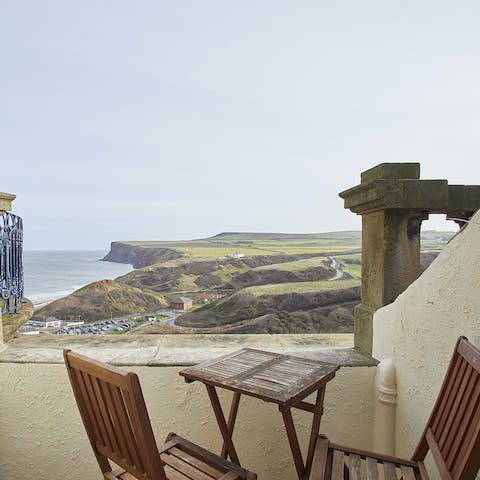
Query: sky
[[181, 119]]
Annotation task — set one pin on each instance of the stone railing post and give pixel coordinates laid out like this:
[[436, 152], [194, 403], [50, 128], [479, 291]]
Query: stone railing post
[[393, 202]]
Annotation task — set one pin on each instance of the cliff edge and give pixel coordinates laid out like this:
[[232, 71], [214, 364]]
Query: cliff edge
[[139, 256]]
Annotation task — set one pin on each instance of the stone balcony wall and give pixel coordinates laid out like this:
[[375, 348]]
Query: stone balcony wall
[[41, 432]]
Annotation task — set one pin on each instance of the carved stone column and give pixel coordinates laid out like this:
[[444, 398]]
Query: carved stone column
[[393, 202]]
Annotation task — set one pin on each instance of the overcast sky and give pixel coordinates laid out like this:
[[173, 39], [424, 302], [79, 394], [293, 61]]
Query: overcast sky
[[135, 120]]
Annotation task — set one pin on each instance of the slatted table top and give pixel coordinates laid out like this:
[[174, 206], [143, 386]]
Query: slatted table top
[[273, 377]]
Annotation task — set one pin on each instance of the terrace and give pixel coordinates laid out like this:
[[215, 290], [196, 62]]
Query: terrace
[[391, 372]]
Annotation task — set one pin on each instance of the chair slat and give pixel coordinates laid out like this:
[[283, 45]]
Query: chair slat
[[460, 426], [213, 472], [174, 474], [206, 456], [320, 458], [440, 406], [469, 353], [355, 467], [468, 461], [451, 395], [85, 402], [98, 388], [127, 430], [338, 465], [407, 473], [437, 455], [372, 468], [142, 429], [422, 472], [190, 471], [448, 431], [115, 402], [99, 420], [390, 471]]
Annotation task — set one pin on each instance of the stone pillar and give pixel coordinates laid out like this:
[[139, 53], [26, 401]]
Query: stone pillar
[[393, 202], [390, 262]]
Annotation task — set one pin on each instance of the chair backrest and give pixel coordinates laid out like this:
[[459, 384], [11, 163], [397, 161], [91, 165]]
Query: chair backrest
[[115, 416], [452, 433]]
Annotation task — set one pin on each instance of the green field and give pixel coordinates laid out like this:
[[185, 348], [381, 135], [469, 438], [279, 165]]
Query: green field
[[297, 265], [251, 244], [223, 251], [301, 287], [354, 269]]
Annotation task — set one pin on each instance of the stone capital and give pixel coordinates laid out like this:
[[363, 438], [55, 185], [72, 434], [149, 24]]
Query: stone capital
[[6, 200], [397, 194]]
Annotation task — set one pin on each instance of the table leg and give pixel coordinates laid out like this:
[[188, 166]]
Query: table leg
[[224, 430], [293, 440], [232, 416], [317, 417]]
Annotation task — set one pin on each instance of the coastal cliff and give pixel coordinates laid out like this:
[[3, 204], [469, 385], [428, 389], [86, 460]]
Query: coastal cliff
[[139, 256]]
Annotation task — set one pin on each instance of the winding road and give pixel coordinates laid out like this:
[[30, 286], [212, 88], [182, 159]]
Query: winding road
[[338, 270]]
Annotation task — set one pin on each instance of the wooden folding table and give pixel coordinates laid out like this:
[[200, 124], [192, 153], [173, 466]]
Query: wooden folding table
[[282, 379]]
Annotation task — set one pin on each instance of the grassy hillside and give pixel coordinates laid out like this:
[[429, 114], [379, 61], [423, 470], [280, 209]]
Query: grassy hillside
[[101, 300], [292, 312], [193, 274], [302, 287]]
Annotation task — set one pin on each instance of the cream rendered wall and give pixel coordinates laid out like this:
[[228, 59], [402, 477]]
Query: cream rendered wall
[[419, 330], [42, 437]]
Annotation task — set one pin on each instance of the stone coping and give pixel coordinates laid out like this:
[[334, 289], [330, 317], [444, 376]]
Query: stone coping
[[179, 350]]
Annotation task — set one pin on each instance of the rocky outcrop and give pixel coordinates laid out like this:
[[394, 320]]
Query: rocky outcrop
[[139, 256]]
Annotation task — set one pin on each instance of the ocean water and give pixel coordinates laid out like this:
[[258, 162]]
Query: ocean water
[[49, 275]]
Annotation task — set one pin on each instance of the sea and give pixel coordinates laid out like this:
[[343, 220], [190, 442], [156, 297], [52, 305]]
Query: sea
[[49, 275]]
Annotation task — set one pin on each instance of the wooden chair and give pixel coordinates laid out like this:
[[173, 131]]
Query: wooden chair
[[452, 434], [115, 416]]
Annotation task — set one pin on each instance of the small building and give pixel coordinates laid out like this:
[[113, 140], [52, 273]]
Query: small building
[[46, 322], [236, 256], [208, 297], [181, 303]]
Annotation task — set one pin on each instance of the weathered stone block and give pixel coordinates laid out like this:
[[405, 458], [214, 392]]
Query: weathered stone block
[[391, 171], [6, 200], [363, 333]]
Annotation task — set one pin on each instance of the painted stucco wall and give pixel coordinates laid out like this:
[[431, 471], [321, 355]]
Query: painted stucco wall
[[42, 437], [419, 330]]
